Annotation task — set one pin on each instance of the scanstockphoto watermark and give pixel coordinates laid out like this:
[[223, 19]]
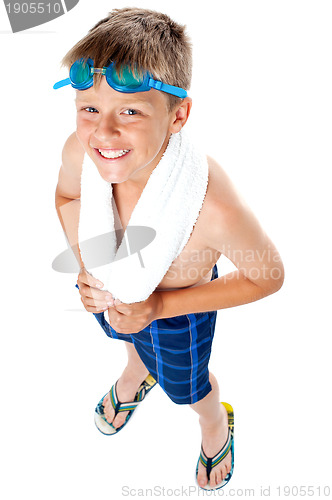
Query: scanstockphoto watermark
[[23, 15], [278, 491], [184, 491]]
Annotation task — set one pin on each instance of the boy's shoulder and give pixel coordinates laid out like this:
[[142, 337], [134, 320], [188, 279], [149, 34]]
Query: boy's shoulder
[[221, 196], [72, 155], [223, 206], [69, 184]]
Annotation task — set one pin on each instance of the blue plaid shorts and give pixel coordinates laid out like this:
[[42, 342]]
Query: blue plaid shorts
[[176, 351]]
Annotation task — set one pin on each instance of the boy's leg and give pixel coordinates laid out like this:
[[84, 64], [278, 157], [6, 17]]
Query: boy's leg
[[127, 386], [213, 420]]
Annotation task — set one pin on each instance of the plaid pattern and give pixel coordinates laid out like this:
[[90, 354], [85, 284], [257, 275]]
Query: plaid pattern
[[176, 351]]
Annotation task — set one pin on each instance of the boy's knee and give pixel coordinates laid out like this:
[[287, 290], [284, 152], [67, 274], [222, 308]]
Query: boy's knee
[[213, 380]]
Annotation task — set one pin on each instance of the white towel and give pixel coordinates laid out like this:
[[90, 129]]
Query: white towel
[[170, 204]]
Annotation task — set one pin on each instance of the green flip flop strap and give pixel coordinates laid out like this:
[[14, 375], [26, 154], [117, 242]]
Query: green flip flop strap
[[209, 463], [140, 395], [118, 407], [144, 388]]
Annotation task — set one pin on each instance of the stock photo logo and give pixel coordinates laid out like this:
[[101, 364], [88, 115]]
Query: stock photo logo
[[23, 15], [96, 249]]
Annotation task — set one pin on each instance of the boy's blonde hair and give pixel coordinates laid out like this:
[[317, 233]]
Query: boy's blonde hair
[[144, 40]]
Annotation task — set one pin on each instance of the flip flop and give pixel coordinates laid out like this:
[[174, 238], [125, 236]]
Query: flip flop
[[209, 463], [100, 420]]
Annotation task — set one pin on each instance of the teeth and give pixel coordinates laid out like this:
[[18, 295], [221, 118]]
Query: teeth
[[113, 154]]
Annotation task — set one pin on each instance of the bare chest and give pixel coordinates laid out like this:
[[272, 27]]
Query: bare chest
[[194, 265]]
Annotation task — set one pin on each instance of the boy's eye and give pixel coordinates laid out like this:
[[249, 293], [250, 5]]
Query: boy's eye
[[130, 112], [89, 109]]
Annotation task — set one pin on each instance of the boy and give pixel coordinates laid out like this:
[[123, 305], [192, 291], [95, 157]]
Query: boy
[[126, 134]]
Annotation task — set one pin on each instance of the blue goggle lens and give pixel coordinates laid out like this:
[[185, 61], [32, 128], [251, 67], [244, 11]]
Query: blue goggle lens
[[126, 78], [80, 72]]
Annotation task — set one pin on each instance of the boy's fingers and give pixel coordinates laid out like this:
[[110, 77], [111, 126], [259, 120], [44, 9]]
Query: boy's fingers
[[92, 301], [87, 279], [89, 289], [123, 308], [88, 292], [93, 306]]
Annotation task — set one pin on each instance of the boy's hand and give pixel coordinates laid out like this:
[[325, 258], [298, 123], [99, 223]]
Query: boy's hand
[[132, 318], [93, 299]]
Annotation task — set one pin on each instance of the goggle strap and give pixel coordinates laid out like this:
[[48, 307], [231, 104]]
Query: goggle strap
[[62, 83], [169, 89], [98, 70]]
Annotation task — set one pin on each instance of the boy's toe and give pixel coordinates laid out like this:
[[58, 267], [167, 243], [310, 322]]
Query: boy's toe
[[106, 399], [119, 419], [108, 411], [202, 482], [109, 417], [201, 477], [218, 477], [213, 482]]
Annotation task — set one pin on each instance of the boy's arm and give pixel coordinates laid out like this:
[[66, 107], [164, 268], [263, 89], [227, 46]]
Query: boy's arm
[[68, 192], [235, 232]]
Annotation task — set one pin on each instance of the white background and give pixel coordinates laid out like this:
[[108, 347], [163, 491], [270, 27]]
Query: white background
[[262, 107]]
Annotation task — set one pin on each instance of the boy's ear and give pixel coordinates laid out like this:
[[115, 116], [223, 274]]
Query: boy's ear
[[180, 115]]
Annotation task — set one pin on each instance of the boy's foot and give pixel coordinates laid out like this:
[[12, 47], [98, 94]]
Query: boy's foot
[[214, 436], [126, 389]]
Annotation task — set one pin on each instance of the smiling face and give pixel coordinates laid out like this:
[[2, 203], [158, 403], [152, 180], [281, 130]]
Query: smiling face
[[126, 134]]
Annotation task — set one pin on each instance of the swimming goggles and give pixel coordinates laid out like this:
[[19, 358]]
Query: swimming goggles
[[81, 78]]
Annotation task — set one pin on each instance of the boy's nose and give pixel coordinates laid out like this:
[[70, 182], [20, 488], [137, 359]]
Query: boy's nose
[[107, 129]]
